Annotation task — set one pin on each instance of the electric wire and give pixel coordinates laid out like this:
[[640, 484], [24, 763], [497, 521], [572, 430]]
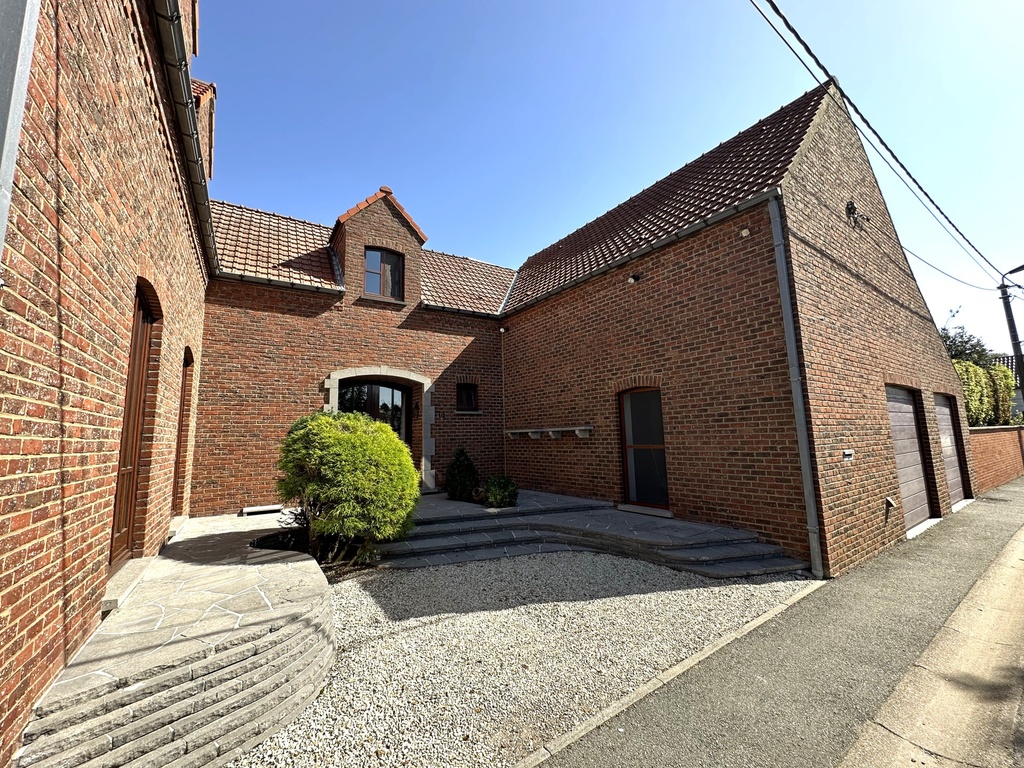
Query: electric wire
[[882, 141], [866, 137], [943, 272]]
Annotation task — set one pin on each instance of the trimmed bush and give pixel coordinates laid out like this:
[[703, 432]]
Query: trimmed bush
[[501, 491], [979, 398], [1003, 387], [353, 478], [461, 477]]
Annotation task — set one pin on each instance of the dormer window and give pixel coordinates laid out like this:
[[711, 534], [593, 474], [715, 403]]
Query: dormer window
[[384, 274]]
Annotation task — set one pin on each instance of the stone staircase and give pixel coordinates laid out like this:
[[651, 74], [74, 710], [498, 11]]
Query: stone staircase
[[709, 550], [214, 690]]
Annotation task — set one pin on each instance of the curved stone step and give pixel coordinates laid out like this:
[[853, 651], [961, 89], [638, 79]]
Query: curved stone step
[[229, 722], [120, 727], [708, 551], [158, 688]]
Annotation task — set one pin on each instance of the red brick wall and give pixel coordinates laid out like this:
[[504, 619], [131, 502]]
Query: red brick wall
[[704, 323], [267, 351], [96, 162], [998, 456], [863, 324]]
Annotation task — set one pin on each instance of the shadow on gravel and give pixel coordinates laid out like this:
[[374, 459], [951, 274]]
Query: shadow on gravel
[[496, 585]]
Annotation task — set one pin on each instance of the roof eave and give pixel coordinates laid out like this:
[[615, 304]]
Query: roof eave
[[240, 277], [175, 60], [458, 311], [679, 234]]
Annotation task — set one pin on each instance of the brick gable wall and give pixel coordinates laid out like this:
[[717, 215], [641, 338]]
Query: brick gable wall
[[704, 324], [268, 350], [863, 324], [97, 202]]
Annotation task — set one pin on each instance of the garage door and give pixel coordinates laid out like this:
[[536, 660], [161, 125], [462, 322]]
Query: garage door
[[909, 460], [950, 447]]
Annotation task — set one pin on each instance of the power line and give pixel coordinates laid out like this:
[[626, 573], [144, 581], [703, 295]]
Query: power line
[[872, 144], [951, 277], [867, 123], [893, 238]]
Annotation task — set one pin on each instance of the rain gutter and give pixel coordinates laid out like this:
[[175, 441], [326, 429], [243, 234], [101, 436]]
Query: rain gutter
[[175, 60], [457, 310], [222, 275]]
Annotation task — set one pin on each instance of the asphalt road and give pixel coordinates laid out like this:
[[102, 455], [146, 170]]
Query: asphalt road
[[797, 690]]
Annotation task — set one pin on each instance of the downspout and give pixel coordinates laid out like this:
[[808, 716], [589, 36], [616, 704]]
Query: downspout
[[18, 22], [796, 384]]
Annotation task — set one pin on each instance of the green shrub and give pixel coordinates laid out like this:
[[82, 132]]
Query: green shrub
[[978, 393], [1003, 387], [501, 491], [461, 477], [354, 479]]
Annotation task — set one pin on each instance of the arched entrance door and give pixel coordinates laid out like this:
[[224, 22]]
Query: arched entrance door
[[415, 420], [381, 400]]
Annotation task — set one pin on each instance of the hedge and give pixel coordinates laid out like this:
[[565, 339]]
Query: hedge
[[979, 393]]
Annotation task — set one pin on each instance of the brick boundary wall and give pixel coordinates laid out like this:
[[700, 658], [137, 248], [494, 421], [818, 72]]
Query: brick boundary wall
[[998, 456]]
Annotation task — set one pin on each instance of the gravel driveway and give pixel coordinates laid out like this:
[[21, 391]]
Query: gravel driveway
[[480, 664]]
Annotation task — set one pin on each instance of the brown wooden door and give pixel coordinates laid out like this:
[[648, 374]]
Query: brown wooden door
[[910, 467], [946, 418], [131, 433]]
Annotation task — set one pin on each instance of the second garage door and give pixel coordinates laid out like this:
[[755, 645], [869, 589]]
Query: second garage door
[[950, 447], [906, 443]]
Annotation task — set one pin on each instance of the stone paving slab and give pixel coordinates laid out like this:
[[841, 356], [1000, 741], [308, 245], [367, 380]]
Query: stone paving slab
[[207, 591], [632, 527]]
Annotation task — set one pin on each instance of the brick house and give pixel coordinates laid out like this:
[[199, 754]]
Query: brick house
[[741, 343]]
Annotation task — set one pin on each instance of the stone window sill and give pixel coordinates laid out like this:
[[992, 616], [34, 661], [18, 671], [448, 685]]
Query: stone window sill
[[373, 299]]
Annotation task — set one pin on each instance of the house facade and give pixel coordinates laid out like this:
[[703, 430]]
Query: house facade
[[742, 343]]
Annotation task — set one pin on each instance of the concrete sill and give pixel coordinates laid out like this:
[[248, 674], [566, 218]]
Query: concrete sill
[[920, 528], [388, 301], [469, 413]]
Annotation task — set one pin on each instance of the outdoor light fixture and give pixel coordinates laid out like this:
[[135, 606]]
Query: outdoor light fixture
[[503, 329], [633, 279]]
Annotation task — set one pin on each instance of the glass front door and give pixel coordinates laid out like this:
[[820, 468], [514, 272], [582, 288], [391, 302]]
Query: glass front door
[[380, 400], [644, 448]]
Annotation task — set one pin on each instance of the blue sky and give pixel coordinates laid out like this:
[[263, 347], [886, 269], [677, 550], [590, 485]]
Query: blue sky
[[502, 127]]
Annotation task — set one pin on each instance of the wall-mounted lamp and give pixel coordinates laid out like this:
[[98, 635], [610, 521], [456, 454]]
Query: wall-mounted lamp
[[503, 329], [854, 217], [633, 279], [744, 232]]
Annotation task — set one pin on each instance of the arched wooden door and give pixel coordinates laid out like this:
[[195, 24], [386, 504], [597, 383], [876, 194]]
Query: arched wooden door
[[131, 432]]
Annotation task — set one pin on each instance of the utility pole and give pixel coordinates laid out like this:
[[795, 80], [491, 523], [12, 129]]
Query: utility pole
[[1018, 359]]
